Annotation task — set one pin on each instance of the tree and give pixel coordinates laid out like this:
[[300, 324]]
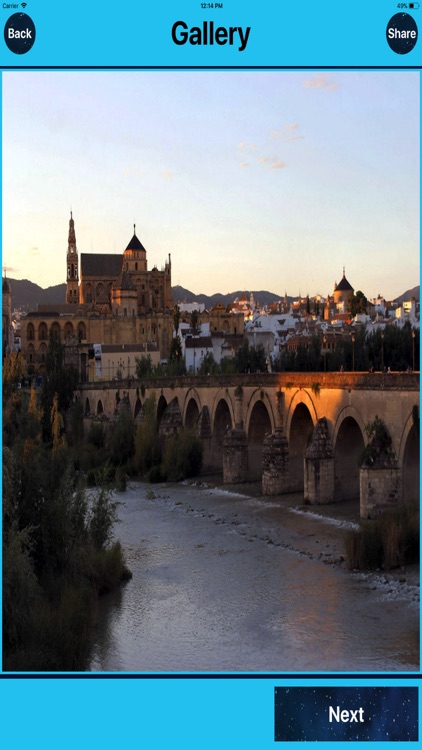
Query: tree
[[59, 378], [143, 367], [358, 303], [176, 318], [194, 323], [31, 431], [57, 428], [147, 446], [122, 439], [208, 365], [177, 365]]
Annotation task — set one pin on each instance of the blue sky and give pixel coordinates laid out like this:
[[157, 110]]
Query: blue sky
[[250, 179]]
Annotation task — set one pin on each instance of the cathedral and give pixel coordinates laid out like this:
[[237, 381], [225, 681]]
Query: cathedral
[[115, 310], [122, 284]]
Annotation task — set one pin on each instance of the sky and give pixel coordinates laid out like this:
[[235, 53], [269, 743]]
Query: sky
[[250, 179]]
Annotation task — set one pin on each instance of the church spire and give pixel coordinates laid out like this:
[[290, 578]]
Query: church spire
[[72, 236], [72, 277]]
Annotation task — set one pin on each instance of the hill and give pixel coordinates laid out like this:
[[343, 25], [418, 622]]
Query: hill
[[27, 296], [180, 294], [415, 292]]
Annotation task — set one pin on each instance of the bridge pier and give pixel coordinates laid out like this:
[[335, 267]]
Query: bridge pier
[[319, 466], [235, 456], [235, 446], [275, 463], [380, 489], [380, 477], [203, 429]]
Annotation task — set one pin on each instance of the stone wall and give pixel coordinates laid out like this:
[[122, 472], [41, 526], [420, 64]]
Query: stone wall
[[275, 464], [319, 466], [380, 489], [235, 457]]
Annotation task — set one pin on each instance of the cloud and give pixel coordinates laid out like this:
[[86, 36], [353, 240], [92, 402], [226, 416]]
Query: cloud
[[248, 146], [167, 175], [287, 133], [9, 269], [243, 165], [272, 162], [322, 82]]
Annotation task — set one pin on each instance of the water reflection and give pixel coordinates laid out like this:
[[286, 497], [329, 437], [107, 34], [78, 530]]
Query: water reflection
[[228, 583]]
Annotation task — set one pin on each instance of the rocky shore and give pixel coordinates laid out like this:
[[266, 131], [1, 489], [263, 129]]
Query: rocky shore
[[317, 532]]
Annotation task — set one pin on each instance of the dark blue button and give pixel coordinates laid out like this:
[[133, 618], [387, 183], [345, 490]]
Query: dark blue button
[[359, 714]]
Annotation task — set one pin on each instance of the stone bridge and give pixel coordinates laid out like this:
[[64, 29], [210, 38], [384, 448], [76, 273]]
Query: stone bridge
[[292, 429]]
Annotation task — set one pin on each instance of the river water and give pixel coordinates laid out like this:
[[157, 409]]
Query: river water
[[225, 581]]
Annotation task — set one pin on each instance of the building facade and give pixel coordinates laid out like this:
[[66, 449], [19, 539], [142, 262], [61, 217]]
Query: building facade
[[111, 300]]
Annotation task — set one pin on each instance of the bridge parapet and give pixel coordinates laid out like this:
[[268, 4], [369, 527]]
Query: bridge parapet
[[347, 380]]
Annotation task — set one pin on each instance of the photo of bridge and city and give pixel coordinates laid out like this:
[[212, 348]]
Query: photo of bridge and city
[[211, 346]]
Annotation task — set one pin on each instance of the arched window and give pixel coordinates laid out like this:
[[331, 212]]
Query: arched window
[[68, 329], [30, 333], [81, 331], [42, 352], [42, 332]]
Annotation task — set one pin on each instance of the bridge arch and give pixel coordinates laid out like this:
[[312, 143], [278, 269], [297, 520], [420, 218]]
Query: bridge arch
[[348, 443], [222, 420], [191, 415], [300, 397], [191, 408], [258, 425], [138, 407], [409, 461], [301, 423], [260, 396], [222, 395], [161, 407]]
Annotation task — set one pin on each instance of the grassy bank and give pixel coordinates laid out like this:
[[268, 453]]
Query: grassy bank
[[385, 543]]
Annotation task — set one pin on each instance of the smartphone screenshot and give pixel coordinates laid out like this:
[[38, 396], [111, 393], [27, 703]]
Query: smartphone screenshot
[[211, 374]]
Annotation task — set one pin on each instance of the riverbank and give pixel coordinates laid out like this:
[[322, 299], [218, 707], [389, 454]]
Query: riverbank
[[316, 531], [227, 580]]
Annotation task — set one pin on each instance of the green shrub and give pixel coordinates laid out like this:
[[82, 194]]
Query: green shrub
[[182, 456], [156, 475], [147, 446], [122, 442], [387, 542], [96, 435]]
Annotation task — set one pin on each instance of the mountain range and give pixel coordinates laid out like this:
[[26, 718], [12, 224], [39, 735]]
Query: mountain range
[[27, 296]]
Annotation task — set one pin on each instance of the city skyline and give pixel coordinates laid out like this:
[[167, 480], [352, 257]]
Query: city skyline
[[263, 180]]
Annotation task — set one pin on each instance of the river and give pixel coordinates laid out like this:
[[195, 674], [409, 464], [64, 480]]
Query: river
[[228, 581]]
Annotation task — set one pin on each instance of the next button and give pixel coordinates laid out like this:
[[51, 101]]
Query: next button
[[358, 714]]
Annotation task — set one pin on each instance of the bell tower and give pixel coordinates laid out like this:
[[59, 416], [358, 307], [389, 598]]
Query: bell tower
[[72, 276]]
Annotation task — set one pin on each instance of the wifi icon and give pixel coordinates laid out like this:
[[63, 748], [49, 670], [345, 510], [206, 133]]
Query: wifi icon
[[24, 5]]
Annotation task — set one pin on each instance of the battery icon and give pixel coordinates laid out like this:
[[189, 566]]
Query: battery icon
[[414, 6]]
